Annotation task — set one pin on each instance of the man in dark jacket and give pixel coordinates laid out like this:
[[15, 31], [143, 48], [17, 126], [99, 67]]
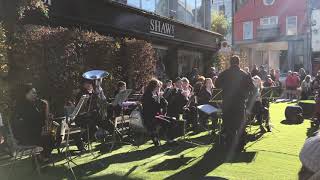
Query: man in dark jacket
[[255, 71], [236, 85], [176, 100]]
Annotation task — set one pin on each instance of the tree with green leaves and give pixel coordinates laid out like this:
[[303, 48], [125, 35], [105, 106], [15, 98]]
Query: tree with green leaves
[[219, 23]]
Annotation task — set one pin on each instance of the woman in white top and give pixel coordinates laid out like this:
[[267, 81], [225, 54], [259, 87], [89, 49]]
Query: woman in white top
[[306, 88], [187, 89]]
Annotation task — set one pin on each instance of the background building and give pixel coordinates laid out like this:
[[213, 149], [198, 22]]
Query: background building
[[315, 23], [192, 12], [273, 33], [179, 30], [224, 7]]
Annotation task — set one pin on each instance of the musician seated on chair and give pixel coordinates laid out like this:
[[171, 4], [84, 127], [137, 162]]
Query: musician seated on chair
[[30, 118], [153, 105], [89, 114], [205, 95], [176, 100]]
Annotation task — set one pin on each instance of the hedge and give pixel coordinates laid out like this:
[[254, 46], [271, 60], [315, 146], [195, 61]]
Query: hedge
[[54, 59]]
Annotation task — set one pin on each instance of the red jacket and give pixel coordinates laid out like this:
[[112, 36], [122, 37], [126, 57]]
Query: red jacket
[[292, 81]]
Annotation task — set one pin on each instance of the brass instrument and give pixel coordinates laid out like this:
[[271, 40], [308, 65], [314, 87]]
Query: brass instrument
[[97, 76], [51, 127]]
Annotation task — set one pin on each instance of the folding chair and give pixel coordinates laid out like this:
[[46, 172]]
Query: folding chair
[[20, 151]]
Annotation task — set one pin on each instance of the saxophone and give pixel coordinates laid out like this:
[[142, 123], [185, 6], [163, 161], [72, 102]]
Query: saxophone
[[50, 127]]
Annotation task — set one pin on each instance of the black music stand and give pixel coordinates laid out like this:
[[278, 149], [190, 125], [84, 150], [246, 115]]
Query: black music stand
[[121, 97], [269, 93], [65, 126], [216, 100]]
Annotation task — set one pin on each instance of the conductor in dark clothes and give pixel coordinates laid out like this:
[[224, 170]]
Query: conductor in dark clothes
[[236, 85]]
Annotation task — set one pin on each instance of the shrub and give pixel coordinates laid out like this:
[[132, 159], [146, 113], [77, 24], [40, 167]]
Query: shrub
[[4, 96], [54, 59], [138, 62]]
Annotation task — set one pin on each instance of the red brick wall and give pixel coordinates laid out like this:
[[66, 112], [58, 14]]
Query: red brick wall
[[255, 9]]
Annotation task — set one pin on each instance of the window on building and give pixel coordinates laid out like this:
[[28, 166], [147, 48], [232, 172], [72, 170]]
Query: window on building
[[181, 11], [292, 25], [148, 5], [199, 13], [247, 30], [222, 9], [162, 7], [189, 59], [268, 2], [240, 3], [134, 3], [269, 21], [190, 11]]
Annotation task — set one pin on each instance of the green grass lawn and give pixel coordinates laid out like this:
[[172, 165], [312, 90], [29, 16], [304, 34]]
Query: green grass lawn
[[273, 156]]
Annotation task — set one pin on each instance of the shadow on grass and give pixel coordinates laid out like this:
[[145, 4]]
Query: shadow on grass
[[64, 173], [98, 165], [113, 177], [213, 178], [210, 161], [171, 164]]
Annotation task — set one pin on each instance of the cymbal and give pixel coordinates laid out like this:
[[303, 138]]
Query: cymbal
[[95, 74]]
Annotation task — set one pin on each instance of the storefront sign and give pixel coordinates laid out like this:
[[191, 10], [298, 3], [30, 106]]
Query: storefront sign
[[117, 19], [161, 28]]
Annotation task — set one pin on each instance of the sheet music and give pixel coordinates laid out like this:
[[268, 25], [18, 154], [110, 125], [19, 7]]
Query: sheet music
[[82, 100], [208, 109], [121, 97]]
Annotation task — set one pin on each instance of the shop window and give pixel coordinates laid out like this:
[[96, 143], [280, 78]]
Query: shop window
[[188, 60], [160, 57]]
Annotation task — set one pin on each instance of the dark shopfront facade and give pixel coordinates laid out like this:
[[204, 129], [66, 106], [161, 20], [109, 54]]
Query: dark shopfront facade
[[178, 47]]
